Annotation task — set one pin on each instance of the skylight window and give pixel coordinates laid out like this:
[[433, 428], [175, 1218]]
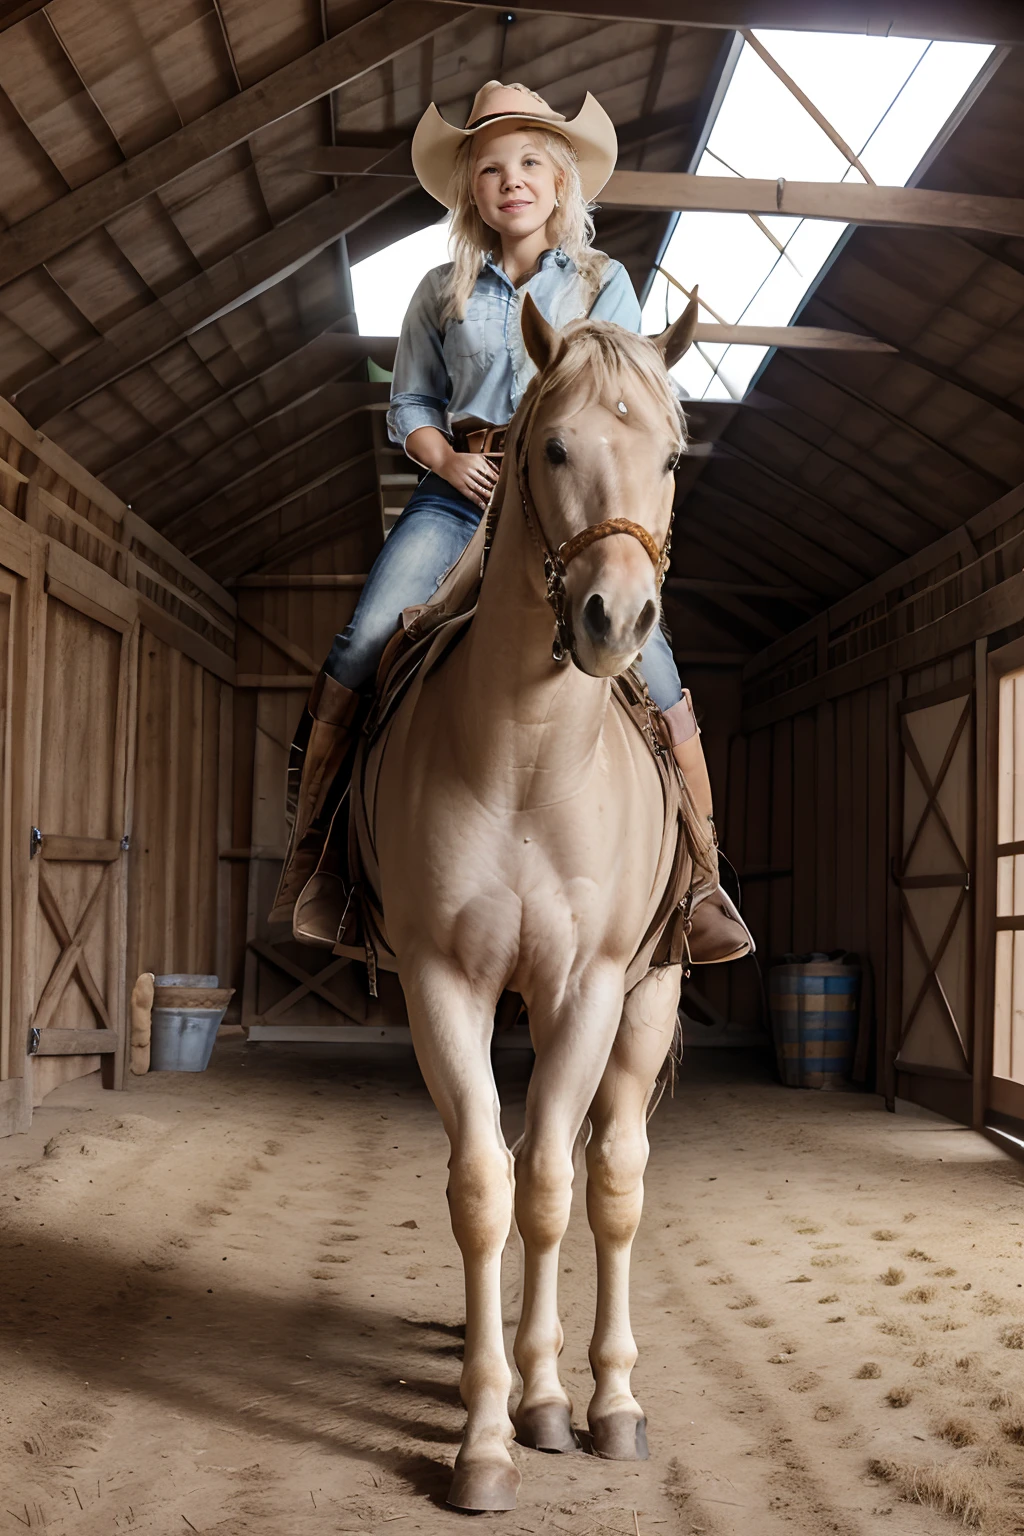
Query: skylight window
[[383, 284], [887, 98]]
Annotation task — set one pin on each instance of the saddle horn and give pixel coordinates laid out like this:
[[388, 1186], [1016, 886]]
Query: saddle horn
[[675, 341]]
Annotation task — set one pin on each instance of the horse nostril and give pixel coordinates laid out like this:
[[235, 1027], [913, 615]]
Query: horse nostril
[[596, 618], [648, 613]]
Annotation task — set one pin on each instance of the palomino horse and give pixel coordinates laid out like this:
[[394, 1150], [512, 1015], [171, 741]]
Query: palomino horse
[[518, 827]]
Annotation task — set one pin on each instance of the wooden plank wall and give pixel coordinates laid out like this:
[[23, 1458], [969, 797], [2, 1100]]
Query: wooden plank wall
[[117, 677], [179, 910], [813, 796]]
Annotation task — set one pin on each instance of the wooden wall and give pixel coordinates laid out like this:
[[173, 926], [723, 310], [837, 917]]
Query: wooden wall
[[823, 799], [116, 690]]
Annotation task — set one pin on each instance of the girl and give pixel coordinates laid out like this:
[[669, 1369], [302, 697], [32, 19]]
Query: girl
[[519, 180]]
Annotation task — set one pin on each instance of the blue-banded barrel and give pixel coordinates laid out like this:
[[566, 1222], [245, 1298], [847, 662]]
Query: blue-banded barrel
[[814, 1006]]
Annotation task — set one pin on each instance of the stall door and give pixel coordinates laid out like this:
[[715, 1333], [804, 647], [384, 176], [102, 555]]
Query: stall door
[[933, 874], [15, 1111], [80, 837], [1006, 1090]]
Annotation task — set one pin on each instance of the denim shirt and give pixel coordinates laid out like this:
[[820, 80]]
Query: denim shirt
[[479, 366]]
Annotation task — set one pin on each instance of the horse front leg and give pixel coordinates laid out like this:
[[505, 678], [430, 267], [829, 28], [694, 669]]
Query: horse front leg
[[571, 1047], [616, 1160], [451, 1032]]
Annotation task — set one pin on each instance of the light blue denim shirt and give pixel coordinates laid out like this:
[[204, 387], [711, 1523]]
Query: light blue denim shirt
[[479, 366]]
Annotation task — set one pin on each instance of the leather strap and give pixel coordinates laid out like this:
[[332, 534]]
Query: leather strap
[[606, 530], [489, 440]]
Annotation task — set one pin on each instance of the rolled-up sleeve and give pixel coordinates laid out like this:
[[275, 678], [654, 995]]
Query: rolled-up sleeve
[[419, 387], [616, 300]]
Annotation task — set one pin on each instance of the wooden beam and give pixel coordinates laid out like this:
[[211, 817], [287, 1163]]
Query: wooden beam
[[846, 201], [360, 48], [799, 595], [13, 11], [258, 514], [984, 21], [937, 370], [338, 521], [288, 351], [802, 337], [229, 283], [335, 403], [73, 1042]]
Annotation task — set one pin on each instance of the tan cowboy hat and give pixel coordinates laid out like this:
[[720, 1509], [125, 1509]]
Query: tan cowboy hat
[[591, 133]]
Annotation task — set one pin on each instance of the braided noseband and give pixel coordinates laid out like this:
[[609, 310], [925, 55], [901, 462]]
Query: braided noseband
[[556, 561]]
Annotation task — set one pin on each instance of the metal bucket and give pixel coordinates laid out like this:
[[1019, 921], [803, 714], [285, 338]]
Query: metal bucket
[[182, 1038], [183, 1032]]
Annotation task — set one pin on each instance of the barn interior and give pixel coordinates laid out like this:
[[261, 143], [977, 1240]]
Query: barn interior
[[195, 478]]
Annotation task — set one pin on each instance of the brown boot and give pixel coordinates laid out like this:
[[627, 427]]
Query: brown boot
[[330, 726], [717, 931]]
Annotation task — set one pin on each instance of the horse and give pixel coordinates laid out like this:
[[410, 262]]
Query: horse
[[519, 836]]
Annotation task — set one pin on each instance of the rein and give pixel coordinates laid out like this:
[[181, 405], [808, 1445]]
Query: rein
[[557, 561]]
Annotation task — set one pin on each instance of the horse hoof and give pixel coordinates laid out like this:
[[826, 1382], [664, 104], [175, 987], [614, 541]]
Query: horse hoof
[[484, 1487], [619, 1437], [546, 1427]]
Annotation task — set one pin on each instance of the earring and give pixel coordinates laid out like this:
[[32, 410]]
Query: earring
[[557, 203]]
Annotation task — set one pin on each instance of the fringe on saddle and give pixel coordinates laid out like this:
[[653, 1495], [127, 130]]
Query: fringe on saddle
[[428, 636]]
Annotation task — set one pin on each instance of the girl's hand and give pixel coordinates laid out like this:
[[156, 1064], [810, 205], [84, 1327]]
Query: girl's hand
[[472, 474]]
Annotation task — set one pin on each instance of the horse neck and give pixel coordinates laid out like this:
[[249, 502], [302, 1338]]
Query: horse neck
[[530, 727]]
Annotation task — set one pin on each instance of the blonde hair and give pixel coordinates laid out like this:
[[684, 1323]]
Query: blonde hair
[[571, 225]]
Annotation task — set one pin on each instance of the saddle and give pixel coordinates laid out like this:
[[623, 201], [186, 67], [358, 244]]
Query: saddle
[[341, 905]]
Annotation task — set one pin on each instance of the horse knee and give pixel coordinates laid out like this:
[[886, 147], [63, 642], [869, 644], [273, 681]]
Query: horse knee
[[480, 1198], [616, 1161], [543, 1192]]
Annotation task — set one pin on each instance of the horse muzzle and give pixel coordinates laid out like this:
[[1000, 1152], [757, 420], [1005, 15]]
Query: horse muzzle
[[612, 607]]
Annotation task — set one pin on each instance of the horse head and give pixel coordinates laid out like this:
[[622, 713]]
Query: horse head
[[600, 437]]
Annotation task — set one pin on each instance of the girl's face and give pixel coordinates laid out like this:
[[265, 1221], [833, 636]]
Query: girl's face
[[513, 182]]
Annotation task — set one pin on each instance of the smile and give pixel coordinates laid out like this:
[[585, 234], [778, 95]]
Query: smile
[[512, 207]]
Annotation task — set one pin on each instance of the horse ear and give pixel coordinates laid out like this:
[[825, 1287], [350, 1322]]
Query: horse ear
[[541, 339], [674, 342]]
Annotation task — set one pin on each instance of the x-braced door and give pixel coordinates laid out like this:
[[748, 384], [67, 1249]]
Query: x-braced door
[[80, 837], [933, 874]]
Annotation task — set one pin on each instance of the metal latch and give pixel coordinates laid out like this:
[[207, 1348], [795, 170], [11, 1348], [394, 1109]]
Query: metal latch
[[33, 1041], [126, 843], [35, 842]]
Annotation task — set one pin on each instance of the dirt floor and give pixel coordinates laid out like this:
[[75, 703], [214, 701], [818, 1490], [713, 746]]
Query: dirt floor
[[231, 1303]]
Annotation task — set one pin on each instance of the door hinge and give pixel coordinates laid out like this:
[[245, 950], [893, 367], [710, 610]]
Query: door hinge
[[35, 842], [126, 843], [33, 1041]]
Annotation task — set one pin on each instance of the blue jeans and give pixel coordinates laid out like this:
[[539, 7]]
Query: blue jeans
[[433, 530]]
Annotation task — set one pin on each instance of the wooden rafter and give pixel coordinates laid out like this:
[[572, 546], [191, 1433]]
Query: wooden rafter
[[847, 201], [362, 47], [314, 447], [259, 514], [340, 520], [341, 400], [226, 285], [984, 21], [901, 423], [290, 351]]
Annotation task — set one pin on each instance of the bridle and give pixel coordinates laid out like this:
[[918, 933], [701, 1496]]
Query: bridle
[[557, 561]]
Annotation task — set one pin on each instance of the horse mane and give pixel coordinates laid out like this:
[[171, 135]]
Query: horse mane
[[593, 357]]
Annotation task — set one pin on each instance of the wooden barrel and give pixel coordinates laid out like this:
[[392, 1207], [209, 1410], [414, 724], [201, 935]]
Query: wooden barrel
[[814, 1007]]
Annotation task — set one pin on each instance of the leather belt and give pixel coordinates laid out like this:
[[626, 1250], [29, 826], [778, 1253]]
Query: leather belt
[[489, 440]]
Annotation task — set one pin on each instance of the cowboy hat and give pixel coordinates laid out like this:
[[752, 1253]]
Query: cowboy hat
[[591, 133]]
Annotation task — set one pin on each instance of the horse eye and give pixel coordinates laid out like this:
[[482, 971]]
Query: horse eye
[[555, 451], [673, 463]]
